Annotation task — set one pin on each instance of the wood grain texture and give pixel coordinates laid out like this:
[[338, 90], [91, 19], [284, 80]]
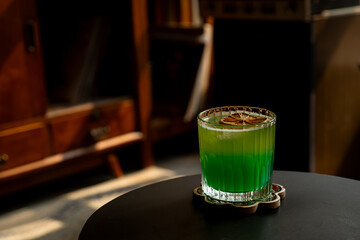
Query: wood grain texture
[[24, 144], [94, 150], [72, 129], [142, 75], [337, 96], [44, 144], [22, 90]]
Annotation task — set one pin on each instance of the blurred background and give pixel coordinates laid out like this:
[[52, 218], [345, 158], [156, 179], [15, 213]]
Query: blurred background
[[89, 87]]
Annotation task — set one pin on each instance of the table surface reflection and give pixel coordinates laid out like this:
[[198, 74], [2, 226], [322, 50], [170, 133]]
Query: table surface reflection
[[316, 207]]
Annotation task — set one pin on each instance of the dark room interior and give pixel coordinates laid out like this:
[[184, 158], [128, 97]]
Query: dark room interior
[[99, 99]]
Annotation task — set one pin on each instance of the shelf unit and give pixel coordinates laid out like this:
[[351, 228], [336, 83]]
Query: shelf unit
[[181, 57], [43, 138]]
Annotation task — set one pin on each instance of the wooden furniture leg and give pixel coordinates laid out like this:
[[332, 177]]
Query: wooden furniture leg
[[143, 75], [114, 165]]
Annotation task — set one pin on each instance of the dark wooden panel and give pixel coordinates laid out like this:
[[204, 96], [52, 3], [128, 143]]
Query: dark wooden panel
[[22, 91], [337, 126], [85, 124], [142, 74], [23, 144]]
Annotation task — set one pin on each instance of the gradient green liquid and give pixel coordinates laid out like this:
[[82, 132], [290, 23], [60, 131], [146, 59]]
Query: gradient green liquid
[[237, 161]]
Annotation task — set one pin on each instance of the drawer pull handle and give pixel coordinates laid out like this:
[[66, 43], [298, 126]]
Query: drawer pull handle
[[30, 36], [3, 159], [100, 133]]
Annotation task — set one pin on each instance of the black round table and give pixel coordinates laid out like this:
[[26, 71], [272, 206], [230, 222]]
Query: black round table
[[316, 207]]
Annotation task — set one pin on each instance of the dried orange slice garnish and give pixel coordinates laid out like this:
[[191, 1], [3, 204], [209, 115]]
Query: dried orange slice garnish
[[242, 119]]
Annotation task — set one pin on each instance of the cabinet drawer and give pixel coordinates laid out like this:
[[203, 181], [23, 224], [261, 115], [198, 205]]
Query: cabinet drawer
[[23, 144], [86, 124]]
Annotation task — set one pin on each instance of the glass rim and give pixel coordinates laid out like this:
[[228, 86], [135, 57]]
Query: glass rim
[[236, 108]]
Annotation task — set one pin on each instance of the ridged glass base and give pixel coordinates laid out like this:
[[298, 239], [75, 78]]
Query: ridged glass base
[[259, 194]]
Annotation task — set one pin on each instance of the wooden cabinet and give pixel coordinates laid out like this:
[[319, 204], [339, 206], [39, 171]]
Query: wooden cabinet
[[23, 144], [86, 124], [65, 106], [337, 119]]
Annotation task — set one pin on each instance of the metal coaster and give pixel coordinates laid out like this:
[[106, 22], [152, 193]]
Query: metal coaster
[[272, 202]]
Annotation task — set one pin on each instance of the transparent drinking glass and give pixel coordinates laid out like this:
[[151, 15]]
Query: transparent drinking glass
[[236, 145]]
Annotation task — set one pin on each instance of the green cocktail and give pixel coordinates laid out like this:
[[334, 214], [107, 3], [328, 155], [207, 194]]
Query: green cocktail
[[236, 152]]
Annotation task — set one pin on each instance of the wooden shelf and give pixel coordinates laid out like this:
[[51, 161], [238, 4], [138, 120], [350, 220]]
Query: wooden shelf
[[97, 148]]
